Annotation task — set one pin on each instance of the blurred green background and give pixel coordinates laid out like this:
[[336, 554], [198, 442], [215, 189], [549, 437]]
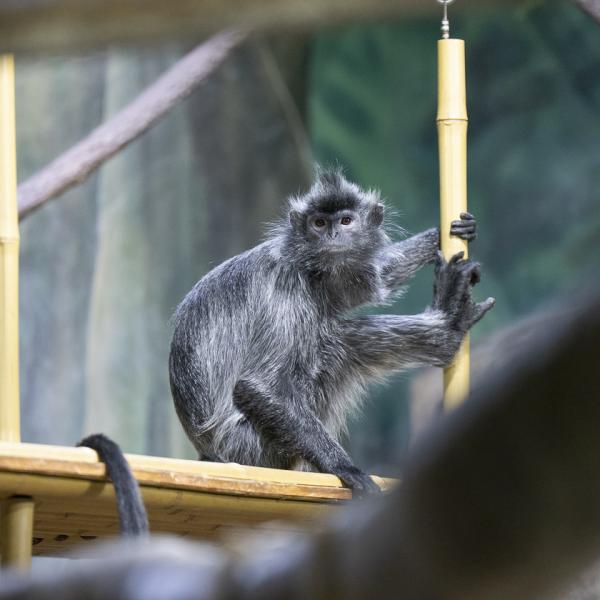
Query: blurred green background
[[104, 266]]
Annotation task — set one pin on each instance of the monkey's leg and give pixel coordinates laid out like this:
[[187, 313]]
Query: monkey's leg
[[393, 342], [296, 431]]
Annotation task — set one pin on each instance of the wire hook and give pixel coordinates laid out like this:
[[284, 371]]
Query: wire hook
[[445, 22]]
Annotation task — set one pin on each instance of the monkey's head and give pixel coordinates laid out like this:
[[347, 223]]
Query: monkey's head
[[336, 220]]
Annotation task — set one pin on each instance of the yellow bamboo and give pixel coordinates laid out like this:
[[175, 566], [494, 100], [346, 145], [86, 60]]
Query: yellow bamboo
[[17, 531], [9, 259], [452, 123], [17, 513]]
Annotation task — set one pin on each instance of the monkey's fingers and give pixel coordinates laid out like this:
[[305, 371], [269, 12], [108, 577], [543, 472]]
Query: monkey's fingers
[[456, 258], [470, 274], [468, 225], [438, 262], [467, 216], [475, 274], [481, 309], [466, 230], [467, 236]]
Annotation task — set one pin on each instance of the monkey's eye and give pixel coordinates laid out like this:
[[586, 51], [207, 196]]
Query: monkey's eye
[[346, 220], [319, 223]]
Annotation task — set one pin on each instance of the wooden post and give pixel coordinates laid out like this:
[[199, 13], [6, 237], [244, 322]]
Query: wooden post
[[452, 123], [17, 513]]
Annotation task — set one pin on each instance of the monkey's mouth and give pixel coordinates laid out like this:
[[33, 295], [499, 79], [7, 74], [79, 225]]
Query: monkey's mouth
[[336, 248]]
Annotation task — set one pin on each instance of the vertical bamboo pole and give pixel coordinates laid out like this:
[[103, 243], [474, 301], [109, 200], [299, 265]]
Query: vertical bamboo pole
[[17, 532], [17, 513], [452, 123], [9, 259]]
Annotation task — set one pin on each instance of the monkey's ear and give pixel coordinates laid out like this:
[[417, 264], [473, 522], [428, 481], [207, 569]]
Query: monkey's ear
[[376, 215], [296, 220]]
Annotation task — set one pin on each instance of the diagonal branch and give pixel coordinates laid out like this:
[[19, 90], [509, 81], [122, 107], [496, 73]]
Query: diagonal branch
[[76, 164]]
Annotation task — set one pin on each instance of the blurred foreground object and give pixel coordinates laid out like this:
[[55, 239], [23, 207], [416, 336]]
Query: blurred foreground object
[[523, 454], [58, 25]]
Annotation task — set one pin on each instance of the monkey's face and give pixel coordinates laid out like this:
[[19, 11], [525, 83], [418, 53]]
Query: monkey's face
[[337, 221], [343, 232], [337, 232]]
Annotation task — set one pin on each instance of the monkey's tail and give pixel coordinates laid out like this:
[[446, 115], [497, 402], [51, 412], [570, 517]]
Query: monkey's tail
[[130, 507]]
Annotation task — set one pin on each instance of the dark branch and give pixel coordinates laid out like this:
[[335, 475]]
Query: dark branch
[[79, 162]]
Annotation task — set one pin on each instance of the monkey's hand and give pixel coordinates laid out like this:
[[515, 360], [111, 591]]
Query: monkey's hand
[[465, 228], [452, 294], [360, 483]]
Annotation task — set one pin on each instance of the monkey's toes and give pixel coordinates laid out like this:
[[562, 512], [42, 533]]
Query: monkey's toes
[[360, 483]]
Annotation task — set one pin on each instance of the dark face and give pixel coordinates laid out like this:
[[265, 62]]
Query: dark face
[[334, 232], [340, 226]]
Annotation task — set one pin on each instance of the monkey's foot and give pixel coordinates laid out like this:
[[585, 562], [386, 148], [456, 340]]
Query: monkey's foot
[[360, 483]]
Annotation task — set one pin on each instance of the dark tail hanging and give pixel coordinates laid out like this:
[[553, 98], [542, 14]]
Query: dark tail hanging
[[132, 514]]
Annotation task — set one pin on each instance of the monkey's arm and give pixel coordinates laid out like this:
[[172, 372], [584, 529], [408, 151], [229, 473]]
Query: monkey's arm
[[293, 429], [400, 261], [376, 343]]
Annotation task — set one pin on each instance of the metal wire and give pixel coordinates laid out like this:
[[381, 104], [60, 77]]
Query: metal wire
[[445, 21]]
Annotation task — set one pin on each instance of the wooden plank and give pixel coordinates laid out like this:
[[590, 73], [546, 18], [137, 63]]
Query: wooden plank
[[70, 511], [75, 504], [68, 25], [62, 461]]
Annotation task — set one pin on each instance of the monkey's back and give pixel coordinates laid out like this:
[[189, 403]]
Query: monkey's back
[[247, 319]]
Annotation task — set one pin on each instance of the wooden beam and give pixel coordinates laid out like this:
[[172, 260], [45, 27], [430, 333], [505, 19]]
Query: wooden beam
[[74, 502], [68, 25], [219, 478]]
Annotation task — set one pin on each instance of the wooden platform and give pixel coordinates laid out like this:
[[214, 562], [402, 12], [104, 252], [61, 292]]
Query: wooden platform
[[74, 503]]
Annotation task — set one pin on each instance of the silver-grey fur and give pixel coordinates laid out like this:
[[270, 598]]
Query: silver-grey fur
[[268, 360]]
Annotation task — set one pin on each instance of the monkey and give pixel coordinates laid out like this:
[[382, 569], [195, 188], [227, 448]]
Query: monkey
[[133, 520], [268, 356]]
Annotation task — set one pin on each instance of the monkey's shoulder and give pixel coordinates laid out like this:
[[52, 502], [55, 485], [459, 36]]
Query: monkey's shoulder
[[236, 280]]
